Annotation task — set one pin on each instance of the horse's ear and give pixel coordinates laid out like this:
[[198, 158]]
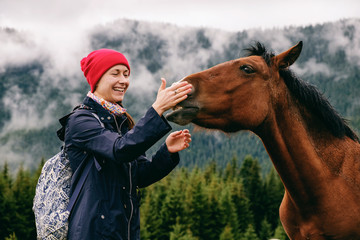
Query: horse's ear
[[287, 58]]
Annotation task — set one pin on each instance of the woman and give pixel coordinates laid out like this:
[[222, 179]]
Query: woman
[[108, 205]]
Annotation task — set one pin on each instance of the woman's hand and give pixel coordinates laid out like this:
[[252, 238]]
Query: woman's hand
[[169, 97], [178, 141]]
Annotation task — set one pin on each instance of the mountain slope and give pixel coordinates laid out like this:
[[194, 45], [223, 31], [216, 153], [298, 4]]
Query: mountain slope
[[38, 86]]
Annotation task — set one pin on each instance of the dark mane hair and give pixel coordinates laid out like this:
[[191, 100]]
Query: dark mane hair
[[260, 50], [309, 96]]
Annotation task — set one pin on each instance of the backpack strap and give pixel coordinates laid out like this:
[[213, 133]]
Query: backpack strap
[[83, 176], [79, 186], [61, 132], [97, 117]]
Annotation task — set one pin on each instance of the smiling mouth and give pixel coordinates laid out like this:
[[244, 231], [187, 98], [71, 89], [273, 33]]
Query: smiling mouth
[[182, 115], [122, 90]]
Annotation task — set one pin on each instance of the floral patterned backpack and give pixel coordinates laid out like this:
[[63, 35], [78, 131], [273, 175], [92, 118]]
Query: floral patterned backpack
[[52, 205]]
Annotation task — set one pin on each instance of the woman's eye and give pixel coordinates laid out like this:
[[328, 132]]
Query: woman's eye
[[247, 69]]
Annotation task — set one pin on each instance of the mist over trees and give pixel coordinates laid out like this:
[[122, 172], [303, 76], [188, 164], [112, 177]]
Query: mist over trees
[[225, 187], [40, 84]]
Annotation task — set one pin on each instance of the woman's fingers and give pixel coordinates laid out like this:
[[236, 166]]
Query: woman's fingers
[[180, 88], [169, 97], [176, 85], [177, 133], [163, 84], [182, 133], [178, 140], [179, 99], [177, 89]]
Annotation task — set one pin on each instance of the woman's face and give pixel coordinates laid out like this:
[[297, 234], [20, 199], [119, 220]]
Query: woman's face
[[113, 84]]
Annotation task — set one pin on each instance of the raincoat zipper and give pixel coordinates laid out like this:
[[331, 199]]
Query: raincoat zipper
[[131, 203], [130, 181], [117, 126]]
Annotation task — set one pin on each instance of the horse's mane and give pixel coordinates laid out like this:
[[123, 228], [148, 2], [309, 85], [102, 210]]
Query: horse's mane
[[309, 96]]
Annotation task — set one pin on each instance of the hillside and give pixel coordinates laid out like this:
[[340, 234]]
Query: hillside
[[38, 86]]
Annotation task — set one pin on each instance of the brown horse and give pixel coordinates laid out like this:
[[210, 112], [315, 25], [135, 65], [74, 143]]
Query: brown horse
[[312, 148]]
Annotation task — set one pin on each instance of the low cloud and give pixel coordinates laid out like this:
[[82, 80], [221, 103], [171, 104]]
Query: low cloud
[[17, 48], [154, 51], [312, 67], [342, 36]]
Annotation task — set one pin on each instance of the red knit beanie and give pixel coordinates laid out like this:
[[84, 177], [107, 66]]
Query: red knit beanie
[[98, 62]]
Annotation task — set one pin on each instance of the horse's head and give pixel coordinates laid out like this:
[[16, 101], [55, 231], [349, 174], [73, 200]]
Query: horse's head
[[237, 94]]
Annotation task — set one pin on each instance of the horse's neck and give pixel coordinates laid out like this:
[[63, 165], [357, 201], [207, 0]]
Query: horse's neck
[[304, 156]]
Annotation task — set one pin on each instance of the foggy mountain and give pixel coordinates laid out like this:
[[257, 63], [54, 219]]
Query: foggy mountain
[[40, 82]]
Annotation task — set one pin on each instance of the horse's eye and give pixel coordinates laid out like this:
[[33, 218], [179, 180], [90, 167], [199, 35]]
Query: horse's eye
[[247, 69]]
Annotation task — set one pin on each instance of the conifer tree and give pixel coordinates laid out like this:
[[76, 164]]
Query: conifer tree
[[250, 234], [273, 192], [150, 218], [280, 233], [172, 207], [145, 210], [206, 204], [37, 173], [216, 215], [197, 206], [250, 174], [231, 170], [210, 171], [24, 190], [3, 192], [11, 237], [179, 234], [228, 207], [7, 205], [227, 233], [265, 231], [6, 175], [241, 206]]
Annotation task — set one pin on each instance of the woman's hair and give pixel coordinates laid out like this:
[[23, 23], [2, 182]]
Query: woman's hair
[[130, 121]]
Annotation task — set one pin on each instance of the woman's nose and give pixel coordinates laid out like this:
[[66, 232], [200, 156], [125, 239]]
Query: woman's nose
[[123, 79]]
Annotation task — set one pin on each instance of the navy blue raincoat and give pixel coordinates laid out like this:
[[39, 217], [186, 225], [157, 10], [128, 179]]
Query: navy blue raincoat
[[108, 205]]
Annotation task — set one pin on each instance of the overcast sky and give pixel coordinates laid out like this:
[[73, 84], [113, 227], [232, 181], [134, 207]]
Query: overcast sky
[[55, 31], [59, 27], [232, 15]]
